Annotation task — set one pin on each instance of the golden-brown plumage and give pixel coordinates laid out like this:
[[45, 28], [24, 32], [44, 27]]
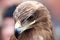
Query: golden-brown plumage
[[42, 29]]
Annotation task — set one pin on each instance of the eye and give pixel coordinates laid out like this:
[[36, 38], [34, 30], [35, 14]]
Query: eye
[[31, 18], [26, 21]]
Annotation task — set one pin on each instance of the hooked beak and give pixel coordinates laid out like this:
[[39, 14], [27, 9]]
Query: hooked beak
[[19, 28]]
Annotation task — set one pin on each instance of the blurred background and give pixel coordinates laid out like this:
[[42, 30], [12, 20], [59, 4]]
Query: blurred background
[[54, 8]]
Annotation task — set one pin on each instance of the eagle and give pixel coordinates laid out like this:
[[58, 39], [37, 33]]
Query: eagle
[[32, 22]]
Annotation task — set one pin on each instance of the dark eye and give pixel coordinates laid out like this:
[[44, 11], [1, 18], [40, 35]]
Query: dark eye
[[31, 18], [28, 19]]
